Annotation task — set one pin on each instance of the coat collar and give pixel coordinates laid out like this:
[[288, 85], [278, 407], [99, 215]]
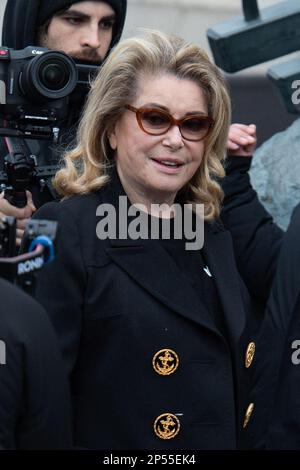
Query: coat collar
[[143, 261]]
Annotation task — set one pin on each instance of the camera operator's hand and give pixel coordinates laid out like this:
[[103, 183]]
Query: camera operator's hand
[[22, 215], [242, 140]]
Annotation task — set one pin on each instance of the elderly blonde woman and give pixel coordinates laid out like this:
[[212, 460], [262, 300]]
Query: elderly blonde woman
[[155, 336]]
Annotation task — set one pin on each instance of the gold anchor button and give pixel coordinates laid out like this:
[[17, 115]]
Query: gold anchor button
[[166, 426], [165, 362], [248, 415], [249, 356]]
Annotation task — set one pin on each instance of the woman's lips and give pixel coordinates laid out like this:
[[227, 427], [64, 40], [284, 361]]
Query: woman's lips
[[168, 165]]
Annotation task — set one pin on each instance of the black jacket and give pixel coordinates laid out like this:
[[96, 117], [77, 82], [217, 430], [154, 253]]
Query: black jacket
[[281, 335], [256, 238], [115, 304], [35, 406], [276, 380], [269, 262]]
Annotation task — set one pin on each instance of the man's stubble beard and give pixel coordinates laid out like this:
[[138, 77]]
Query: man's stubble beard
[[90, 56]]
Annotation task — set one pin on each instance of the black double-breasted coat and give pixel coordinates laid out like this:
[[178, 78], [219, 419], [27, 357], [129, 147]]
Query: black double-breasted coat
[[115, 304]]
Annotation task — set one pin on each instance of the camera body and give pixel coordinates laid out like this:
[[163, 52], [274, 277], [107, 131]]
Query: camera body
[[35, 86]]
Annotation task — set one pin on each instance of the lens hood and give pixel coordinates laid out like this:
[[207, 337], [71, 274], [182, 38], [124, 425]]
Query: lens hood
[[50, 76]]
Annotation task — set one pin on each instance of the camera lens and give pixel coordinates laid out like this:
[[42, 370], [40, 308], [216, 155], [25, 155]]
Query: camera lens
[[51, 75]]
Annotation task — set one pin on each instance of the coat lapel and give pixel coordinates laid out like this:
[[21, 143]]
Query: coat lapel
[[152, 268], [143, 260], [219, 256]]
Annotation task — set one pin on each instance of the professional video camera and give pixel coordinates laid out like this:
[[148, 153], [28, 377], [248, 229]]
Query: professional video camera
[[36, 87], [38, 245]]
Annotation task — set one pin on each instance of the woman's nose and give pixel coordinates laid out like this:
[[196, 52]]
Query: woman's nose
[[173, 138]]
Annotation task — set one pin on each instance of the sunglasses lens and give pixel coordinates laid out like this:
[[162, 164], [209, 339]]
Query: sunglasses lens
[[195, 128], [154, 121]]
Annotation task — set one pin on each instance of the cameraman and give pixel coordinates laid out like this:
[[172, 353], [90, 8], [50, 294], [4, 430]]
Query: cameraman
[[86, 31], [35, 407]]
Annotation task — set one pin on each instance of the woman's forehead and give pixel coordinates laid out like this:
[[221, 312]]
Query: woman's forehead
[[171, 92]]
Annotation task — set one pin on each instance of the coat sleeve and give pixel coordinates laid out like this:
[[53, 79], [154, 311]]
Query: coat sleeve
[[60, 286], [285, 294], [257, 239]]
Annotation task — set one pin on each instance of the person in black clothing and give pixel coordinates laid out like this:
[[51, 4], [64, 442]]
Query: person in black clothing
[[268, 260], [281, 335], [155, 350], [86, 30], [35, 405]]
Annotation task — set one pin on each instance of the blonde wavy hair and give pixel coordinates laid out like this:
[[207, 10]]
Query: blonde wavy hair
[[87, 166]]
